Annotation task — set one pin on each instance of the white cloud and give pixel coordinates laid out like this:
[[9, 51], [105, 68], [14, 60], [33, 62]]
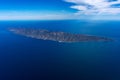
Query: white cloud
[[79, 7], [93, 7]]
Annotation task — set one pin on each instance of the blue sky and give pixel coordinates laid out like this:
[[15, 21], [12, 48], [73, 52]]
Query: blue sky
[[59, 9]]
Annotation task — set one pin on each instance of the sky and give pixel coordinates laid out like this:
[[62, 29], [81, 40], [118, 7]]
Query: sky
[[59, 9]]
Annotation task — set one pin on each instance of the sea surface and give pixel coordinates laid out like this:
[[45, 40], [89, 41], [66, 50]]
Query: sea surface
[[23, 58]]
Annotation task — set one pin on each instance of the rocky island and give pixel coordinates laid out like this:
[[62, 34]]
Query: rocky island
[[56, 36]]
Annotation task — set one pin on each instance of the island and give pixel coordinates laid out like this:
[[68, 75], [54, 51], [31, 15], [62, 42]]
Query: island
[[56, 35]]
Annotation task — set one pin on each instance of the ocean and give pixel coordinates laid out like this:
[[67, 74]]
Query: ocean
[[23, 58]]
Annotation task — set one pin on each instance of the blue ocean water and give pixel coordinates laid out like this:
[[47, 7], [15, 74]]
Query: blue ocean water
[[23, 58]]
